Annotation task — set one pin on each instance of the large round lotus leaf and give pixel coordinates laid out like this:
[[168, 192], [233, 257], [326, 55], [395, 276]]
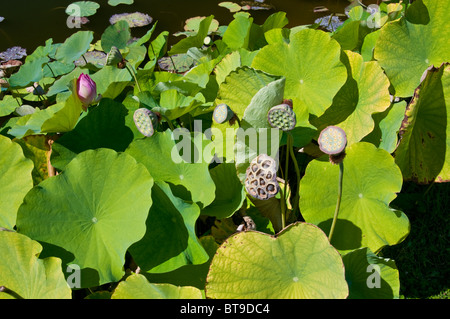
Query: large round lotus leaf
[[369, 276], [74, 46], [370, 182], [137, 286], [366, 92], [82, 8], [170, 241], [95, 209], [27, 276], [230, 193], [116, 35], [15, 180], [162, 159], [312, 67], [424, 150], [405, 50], [297, 263], [117, 2]]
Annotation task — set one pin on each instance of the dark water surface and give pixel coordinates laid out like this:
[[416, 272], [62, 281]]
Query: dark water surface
[[29, 23]]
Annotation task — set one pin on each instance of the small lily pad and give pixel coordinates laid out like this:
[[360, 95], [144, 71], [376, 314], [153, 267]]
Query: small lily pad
[[136, 19], [82, 8]]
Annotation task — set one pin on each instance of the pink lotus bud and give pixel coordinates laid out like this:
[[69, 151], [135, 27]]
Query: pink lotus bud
[[86, 90]]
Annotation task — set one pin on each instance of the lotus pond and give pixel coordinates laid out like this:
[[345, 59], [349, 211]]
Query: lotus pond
[[237, 155]]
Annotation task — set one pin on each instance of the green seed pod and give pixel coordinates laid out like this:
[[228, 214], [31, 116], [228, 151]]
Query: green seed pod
[[146, 121], [114, 56], [222, 113], [282, 117]]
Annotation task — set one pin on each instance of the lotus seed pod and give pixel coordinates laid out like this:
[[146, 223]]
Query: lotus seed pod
[[261, 177], [282, 117], [114, 56], [222, 113], [146, 121], [332, 140]]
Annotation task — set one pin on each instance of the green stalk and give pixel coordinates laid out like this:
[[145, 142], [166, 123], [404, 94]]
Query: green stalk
[[133, 74], [297, 172], [286, 172], [338, 204]]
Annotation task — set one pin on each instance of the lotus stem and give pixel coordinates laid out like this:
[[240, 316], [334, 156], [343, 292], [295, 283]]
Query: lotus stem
[[286, 172], [297, 172], [133, 74], [168, 122], [338, 204], [10, 292]]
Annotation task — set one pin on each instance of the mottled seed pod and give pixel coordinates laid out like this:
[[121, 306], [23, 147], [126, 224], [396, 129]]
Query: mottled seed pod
[[282, 117], [332, 141], [261, 177], [114, 56], [146, 121], [222, 113]]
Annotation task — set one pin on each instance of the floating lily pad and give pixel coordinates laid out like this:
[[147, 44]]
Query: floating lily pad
[[136, 19], [13, 53], [82, 8], [107, 214], [117, 2], [26, 275], [365, 218], [297, 263]]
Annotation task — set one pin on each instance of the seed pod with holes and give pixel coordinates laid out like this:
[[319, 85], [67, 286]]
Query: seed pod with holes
[[282, 117], [146, 121], [332, 141], [261, 177]]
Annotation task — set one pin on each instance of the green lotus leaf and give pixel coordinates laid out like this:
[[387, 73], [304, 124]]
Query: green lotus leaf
[[74, 46], [189, 275], [136, 286], [369, 276], [424, 150], [387, 127], [63, 83], [193, 24], [162, 159], [116, 35], [230, 193], [238, 31], [297, 263], [111, 197], [405, 50], [174, 104], [237, 91], [366, 92], [7, 105], [117, 2], [184, 45], [59, 117], [37, 148], [170, 241], [27, 276], [103, 127], [312, 67], [233, 7], [28, 73], [111, 81], [83, 8], [365, 218], [15, 180]]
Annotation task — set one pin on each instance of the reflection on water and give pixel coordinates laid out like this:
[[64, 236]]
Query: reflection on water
[[29, 23]]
